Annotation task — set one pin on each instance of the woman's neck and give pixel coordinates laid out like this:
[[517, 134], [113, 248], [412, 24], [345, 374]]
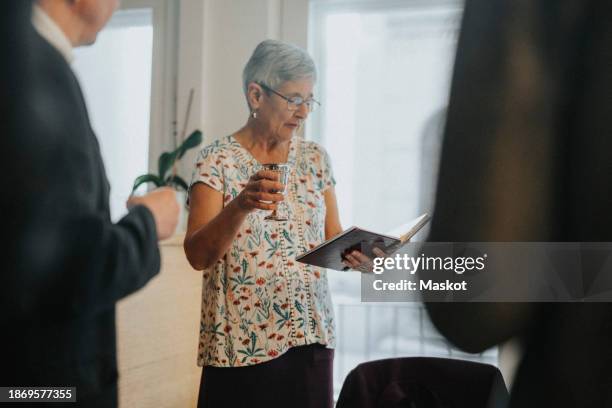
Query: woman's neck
[[262, 146]]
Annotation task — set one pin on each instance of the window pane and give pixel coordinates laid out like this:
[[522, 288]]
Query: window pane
[[385, 71], [115, 75]]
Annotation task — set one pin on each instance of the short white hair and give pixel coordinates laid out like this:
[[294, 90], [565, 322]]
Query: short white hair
[[275, 62]]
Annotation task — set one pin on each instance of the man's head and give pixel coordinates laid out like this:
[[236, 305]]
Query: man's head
[[80, 20]]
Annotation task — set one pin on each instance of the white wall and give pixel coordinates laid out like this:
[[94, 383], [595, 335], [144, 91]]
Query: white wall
[[216, 38]]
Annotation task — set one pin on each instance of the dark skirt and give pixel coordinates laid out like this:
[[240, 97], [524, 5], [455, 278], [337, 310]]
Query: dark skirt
[[300, 378]]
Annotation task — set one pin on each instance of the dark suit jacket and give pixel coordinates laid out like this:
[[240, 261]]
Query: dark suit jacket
[[527, 157], [66, 263]]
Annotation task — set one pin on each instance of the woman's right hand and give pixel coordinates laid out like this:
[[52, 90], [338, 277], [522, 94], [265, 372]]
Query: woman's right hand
[[262, 186]]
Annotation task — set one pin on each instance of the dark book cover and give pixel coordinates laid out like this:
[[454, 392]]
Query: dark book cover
[[331, 252]]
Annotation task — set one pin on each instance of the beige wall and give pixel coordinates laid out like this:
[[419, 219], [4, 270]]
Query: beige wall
[[157, 335]]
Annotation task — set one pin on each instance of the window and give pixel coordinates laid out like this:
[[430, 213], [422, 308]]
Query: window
[[385, 69]]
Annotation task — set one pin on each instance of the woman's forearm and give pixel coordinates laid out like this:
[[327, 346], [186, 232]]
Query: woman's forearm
[[210, 242]]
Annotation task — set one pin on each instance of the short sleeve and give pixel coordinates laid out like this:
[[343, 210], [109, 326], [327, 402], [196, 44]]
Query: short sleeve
[[208, 169], [328, 174]]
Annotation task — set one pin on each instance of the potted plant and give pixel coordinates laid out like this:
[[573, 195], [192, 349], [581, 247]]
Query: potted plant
[[166, 166]]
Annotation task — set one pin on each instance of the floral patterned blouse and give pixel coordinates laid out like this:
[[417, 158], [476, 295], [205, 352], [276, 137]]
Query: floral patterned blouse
[[257, 301]]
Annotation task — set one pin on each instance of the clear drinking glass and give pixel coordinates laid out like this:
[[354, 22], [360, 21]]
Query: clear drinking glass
[[281, 213]]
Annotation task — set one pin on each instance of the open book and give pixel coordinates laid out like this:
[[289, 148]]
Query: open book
[[330, 253]]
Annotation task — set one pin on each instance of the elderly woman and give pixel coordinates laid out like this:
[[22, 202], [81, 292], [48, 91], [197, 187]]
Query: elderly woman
[[267, 326]]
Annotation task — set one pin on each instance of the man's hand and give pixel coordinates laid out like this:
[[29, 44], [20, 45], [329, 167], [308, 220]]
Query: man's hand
[[164, 206]]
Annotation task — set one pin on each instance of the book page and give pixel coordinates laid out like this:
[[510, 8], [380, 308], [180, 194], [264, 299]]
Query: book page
[[409, 228]]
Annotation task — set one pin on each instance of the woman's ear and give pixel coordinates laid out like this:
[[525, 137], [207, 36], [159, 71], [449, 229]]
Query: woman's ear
[[254, 95]]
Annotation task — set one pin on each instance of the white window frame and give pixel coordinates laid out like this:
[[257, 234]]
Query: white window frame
[[162, 121]]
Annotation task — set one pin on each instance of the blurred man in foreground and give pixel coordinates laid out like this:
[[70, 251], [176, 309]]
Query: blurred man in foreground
[[530, 107], [68, 264]]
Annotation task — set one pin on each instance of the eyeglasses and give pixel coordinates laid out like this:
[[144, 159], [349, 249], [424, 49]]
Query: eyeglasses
[[294, 102]]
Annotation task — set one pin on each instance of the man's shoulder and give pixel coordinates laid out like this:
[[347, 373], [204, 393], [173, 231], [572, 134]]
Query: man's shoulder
[[52, 76], [52, 71], [46, 56], [55, 99]]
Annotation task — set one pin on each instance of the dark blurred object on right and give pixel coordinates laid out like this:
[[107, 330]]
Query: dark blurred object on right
[[527, 156]]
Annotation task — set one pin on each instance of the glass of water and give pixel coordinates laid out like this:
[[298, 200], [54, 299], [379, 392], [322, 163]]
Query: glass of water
[[281, 213]]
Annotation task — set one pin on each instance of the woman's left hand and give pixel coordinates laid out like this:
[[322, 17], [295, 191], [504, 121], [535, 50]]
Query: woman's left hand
[[360, 262]]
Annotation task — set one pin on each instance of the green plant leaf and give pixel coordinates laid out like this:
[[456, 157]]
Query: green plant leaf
[[165, 163], [194, 140], [178, 182], [147, 178]]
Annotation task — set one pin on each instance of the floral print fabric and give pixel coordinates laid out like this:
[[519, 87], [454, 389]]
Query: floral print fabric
[[257, 301]]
